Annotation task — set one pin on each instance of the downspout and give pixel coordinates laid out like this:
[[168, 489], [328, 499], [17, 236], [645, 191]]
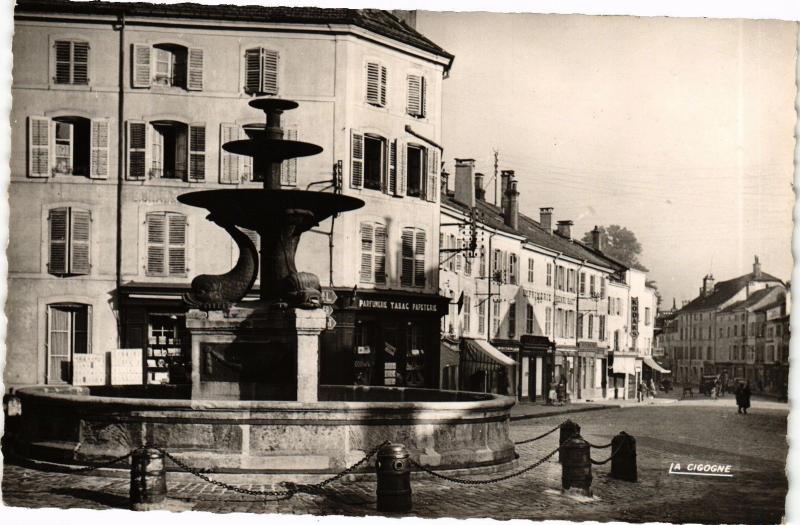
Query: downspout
[[553, 320], [120, 170], [577, 313]]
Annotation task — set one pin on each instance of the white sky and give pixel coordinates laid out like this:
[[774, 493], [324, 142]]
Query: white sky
[[681, 130]]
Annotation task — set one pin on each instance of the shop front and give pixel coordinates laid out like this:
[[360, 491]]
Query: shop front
[[484, 368], [383, 338], [535, 367], [623, 368]]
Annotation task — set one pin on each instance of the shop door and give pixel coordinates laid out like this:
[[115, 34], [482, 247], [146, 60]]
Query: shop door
[[392, 356], [538, 388], [526, 379]]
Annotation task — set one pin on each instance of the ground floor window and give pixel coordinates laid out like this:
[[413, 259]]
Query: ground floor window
[[68, 334], [165, 358]]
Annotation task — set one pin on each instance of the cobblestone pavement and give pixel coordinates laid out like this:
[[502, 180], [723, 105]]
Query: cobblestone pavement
[[754, 445]]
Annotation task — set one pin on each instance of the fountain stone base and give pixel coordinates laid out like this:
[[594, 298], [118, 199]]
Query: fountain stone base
[[257, 351]]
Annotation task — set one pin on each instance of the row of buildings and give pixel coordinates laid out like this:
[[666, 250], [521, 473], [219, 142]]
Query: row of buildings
[[737, 329], [119, 108]]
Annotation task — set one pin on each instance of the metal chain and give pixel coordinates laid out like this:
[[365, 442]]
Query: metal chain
[[613, 453], [108, 463], [484, 481], [599, 446], [523, 442]]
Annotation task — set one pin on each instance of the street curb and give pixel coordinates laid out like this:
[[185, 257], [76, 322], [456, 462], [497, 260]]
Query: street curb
[[563, 412]]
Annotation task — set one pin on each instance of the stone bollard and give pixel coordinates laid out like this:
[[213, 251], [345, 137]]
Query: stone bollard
[[576, 467], [568, 429], [623, 461], [148, 479], [394, 478]]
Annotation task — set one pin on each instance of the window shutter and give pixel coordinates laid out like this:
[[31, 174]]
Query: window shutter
[[357, 171], [423, 95], [392, 186], [194, 77], [407, 254], [156, 240], [99, 146], [228, 163], [289, 166], [80, 63], [413, 100], [419, 259], [373, 83], [383, 86], [140, 67], [80, 242], [367, 247], [380, 254], [38, 147], [432, 179], [59, 225], [63, 50], [401, 168], [197, 152], [245, 162], [137, 147], [177, 243], [269, 60], [252, 71]]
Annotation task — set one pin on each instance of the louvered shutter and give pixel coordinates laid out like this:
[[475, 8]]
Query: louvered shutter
[[197, 152], [289, 166], [383, 86], [380, 254], [367, 248], [269, 61], [245, 162], [137, 147], [357, 170], [419, 259], [80, 242], [177, 244], [392, 186], [38, 147], [228, 163], [156, 241], [194, 77], [407, 256], [59, 226], [80, 63], [63, 50], [402, 168], [373, 83], [140, 66], [423, 94], [252, 71], [432, 190], [99, 147], [413, 100]]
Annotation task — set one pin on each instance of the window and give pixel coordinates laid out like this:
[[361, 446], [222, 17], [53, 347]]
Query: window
[[580, 326], [647, 316], [451, 244], [529, 319], [610, 306], [373, 253], [590, 335], [560, 277], [415, 170], [467, 313], [549, 279], [261, 71], [70, 241], [166, 244], [467, 265], [376, 84], [68, 333], [602, 287], [496, 318], [413, 256], [368, 161], [583, 283], [512, 320], [417, 96], [571, 280], [530, 272], [481, 316], [68, 145], [176, 150], [72, 62], [482, 262], [591, 285], [512, 269], [497, 265], [167, 65], [548, 317], [602, 328]]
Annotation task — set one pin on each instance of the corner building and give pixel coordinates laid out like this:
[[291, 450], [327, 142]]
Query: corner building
[[118, 108]]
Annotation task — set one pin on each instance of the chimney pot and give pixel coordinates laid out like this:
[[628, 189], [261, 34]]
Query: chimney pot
[[445, 177], [511, 213], [756, 268], [505, 180], [480, 193], [565, 229], [546, 219], [597, 240], [465, 182]]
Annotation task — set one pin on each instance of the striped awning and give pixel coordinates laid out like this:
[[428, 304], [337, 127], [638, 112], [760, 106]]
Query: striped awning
[[496, 355]]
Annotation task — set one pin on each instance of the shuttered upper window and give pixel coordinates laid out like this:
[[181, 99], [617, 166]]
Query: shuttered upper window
[[261, 71], [70, 241], [166, 150], [72, 62], [166, 244], [167, 65], [373, 253], [376, 84], [68, 146], [412, 271], [416, 97]]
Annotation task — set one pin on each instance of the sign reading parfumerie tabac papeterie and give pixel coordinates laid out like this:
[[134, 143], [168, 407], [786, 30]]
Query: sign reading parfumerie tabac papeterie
[[126, 366], [89, 369]]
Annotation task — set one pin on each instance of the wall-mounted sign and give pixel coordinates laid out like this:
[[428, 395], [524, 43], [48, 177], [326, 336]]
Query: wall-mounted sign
[[90, 369], [126, 366]]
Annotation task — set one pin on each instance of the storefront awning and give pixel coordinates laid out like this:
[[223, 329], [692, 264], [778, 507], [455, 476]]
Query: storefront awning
[[491, 351], [624, 364], [649, 361]]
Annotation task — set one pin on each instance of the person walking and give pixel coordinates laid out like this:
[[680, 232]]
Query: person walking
[[743, 397], [640, 391]]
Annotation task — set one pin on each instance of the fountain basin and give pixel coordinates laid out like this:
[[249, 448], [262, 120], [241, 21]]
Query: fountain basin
[[442, 429]]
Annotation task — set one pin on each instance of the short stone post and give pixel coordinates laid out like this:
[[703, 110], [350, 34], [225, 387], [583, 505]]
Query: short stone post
[[394, 478], [148, 479], [623, 460], [576, 467], [309, 325], [568, 429]]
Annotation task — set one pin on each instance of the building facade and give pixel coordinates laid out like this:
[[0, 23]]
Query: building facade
[[119, 108]]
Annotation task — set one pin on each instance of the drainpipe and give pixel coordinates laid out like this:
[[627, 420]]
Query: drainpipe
[[553, 317], [577, 313], [120, 170]]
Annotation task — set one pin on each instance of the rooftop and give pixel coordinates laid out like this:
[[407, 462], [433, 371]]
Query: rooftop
[[725, 290]]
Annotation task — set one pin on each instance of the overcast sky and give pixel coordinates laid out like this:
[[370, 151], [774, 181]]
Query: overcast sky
[[681, 130]]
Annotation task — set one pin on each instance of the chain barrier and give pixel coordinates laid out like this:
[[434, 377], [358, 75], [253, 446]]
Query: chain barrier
[[613, 453], [108, 463], [599, 446], [525, 441], [484, 481]]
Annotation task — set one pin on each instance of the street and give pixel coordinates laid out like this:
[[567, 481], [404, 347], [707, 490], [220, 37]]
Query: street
[[698, 431]]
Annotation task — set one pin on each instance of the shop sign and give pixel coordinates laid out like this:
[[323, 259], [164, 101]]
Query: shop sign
[[126, 366], [330, 323], [396, 305], [328, 296]]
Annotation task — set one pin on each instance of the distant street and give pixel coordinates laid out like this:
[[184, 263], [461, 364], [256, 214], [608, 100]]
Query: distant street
[[694, 431]]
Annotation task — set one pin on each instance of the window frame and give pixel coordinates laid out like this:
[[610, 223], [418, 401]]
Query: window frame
[[380, 99], [72, 214], [73, 308], [166, 244], [53, 78]]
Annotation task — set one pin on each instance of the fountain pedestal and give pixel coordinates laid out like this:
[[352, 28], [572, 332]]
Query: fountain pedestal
[[258, 351]]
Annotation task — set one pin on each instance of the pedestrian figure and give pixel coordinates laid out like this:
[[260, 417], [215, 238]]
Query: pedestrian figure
[[743, 397], [651, 386], [640, 391], [552, 397]]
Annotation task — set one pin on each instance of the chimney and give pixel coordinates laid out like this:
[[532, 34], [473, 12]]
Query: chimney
[[756, 268], [597, 241], [708, 284], [546, 219], [444, 180], [465, 182], [511, 213], [565, 229], [505, 179], [480, 193]]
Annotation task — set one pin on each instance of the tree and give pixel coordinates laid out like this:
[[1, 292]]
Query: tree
[[619, 243], [652, 284]]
